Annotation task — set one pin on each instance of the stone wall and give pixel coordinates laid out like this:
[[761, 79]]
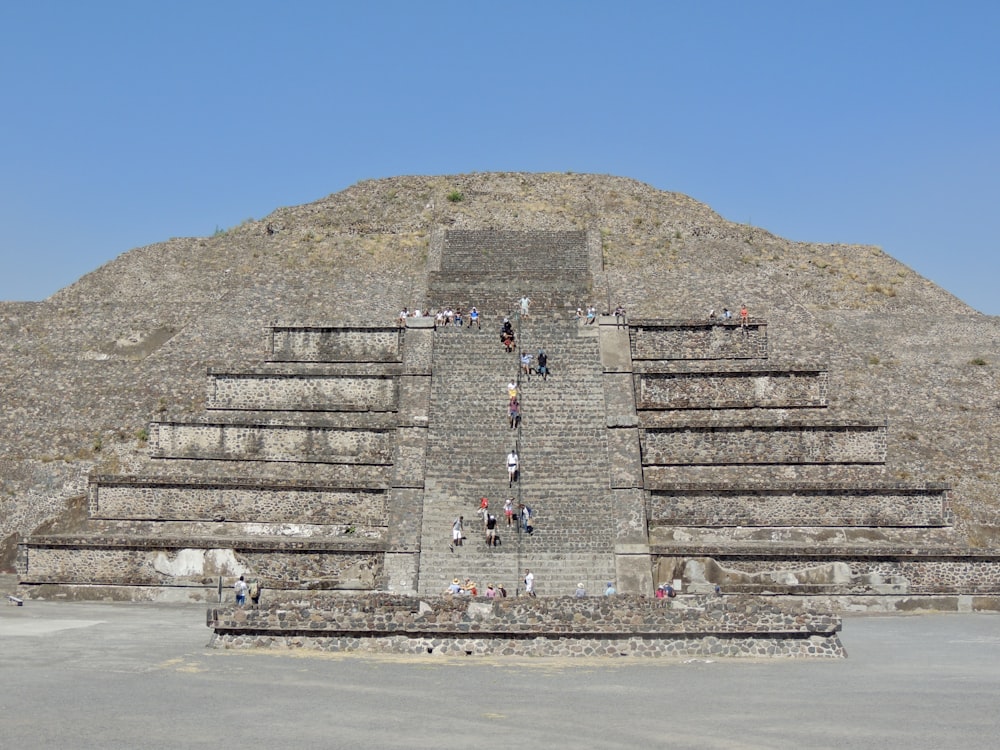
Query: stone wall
[[273, 442], [334, 344], [235, 502], [491, 269], [301, 392], [690, 340], [534, 251], [563, 626], [278, 567], [731, 390], [765, 444], [844, 574], [798, 506]]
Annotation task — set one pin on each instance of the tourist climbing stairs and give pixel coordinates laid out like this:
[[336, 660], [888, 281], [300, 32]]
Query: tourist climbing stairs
[[562, 454]]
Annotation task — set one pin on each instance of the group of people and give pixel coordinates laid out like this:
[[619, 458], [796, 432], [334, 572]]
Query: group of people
[[491, 524], [727, 315], [443, 317], [581, 591], [588, 318], [469, 588], [244, 589]]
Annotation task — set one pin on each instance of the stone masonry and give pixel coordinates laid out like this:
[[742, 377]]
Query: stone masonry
[[657, 451]]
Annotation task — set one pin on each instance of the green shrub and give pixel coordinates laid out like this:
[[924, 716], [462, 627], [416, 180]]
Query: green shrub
[[455, 196]]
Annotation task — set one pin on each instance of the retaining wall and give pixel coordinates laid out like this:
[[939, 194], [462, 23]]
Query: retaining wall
[[837, 574], [239, 502], [765, 444], [293, 567], [798, 506], [731, 390], [301, 392], [334, 344], [300, 443], [564, 626], [689, 340]]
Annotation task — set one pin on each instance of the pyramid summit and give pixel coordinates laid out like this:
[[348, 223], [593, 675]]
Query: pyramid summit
[[248, 403]]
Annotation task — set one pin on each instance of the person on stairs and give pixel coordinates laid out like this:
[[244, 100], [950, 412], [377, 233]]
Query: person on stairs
[[542, 366], [514, 413], [511, 467], [491, 530]]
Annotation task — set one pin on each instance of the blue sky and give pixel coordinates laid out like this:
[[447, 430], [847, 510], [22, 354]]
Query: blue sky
[[127, 123]]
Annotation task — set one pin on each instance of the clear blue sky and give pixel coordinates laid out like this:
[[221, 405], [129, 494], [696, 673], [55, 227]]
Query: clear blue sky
[[126, 123]]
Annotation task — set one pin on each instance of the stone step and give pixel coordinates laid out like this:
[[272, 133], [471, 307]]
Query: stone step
[[567, 490], [341, 529]]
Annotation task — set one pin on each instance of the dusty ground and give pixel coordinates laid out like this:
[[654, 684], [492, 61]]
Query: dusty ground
[[125, 675]]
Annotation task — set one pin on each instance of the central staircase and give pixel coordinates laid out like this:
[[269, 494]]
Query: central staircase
[[562, 453]]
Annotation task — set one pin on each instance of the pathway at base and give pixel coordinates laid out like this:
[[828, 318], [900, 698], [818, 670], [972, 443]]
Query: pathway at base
[[129, 675]]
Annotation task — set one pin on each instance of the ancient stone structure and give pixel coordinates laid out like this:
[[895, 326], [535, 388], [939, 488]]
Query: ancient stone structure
[[659, 451], [592, 626], [328, 450]]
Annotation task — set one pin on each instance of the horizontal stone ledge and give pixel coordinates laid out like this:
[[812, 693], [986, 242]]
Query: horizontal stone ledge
[[877, 592], [766, 551], [723, 461], [652, 416], [378, 613], [351, 420], [229, 627], [757, 418], [311, 327], [728, 367], [210, 483], [274, 544], [381, 370], [692, 322], [858, 521], [238, 414], [789, 487]]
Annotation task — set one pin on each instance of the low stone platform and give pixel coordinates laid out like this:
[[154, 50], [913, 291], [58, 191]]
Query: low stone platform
[[564, 626]]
